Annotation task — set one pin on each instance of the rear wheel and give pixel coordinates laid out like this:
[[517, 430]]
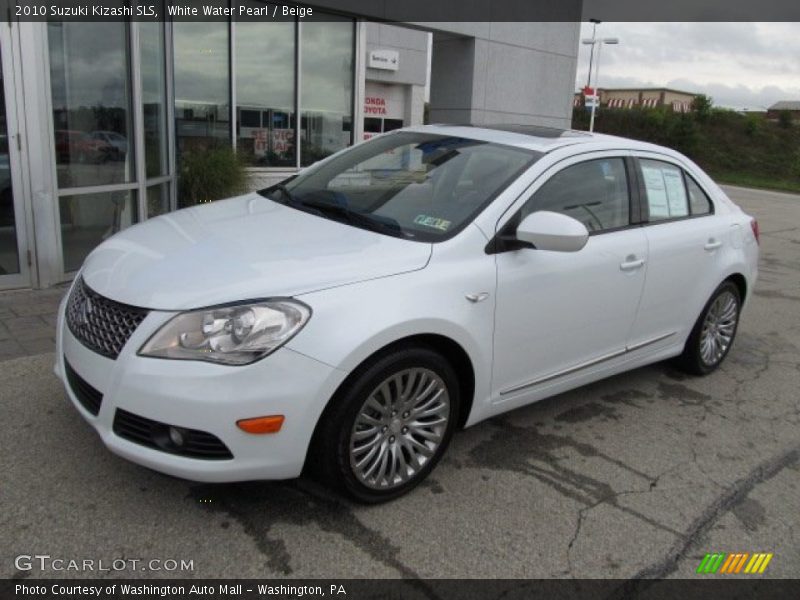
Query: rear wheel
[[388, 429], [713, 334]]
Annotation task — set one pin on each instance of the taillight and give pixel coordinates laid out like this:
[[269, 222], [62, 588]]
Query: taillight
[[756, 233]]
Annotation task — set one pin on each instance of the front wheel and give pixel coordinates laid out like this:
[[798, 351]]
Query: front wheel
[[713, 334], [390, 426]]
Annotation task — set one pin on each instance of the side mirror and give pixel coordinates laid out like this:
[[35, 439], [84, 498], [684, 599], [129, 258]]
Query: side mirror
[[553, 231]]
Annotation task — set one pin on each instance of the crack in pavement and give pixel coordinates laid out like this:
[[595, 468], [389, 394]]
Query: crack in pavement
[[512, 448], [585, 510], [724, 503]]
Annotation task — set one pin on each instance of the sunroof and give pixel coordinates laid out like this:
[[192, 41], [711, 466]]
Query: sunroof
[[537, 130]]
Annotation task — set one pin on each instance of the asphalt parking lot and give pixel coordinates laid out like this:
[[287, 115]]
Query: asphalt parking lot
[[638, 475]]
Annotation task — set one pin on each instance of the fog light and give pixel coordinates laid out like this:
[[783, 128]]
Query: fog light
[[177, 436]]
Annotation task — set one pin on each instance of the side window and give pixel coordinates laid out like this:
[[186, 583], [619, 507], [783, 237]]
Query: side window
[[594, 192], [666, 192], [699, 202]]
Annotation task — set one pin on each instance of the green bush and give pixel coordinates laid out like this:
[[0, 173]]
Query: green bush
[[752, 125], [701, 105], [212, 174], [733, 147], [785, 119]]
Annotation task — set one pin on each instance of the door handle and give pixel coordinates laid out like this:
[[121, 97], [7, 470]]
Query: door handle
[[631, 263], [712, 244]]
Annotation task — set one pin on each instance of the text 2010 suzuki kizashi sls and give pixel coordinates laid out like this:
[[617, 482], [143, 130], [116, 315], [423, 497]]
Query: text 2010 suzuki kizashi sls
[[351, 318]]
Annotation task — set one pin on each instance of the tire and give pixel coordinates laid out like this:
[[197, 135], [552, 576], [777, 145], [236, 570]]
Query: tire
[[714, 332], [368, 420]]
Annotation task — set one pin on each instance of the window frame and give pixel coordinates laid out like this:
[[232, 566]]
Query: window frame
[[504, 239], [642, 191]]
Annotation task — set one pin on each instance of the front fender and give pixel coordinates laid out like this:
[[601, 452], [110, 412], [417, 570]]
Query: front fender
[[351, 323]]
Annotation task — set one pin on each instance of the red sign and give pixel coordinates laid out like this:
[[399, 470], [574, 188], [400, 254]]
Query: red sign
[[374, 105], [588, 91]]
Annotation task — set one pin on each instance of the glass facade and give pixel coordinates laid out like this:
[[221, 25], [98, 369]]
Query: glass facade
[[265, 93], [130, 99], [90, 90], [93, 133], [152, 48], [326, 102], [9, 252], [158, 199], [202, 84], [88, 219]]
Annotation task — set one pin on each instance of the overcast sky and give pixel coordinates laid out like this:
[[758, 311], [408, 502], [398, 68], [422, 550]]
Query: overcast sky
[[740, 65]]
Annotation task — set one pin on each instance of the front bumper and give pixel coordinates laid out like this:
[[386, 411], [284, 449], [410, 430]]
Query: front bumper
[[205, 397]]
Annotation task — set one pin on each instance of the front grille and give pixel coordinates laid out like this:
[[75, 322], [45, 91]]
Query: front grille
[[90, 398], [153, 434], [100, 324]]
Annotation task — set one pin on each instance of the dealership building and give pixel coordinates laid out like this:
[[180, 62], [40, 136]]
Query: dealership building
[[96, 116]]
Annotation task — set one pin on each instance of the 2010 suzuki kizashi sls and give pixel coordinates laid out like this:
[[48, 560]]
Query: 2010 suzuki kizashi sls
[[349, 319]]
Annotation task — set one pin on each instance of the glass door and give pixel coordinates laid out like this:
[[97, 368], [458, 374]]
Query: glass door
[[14, 256]]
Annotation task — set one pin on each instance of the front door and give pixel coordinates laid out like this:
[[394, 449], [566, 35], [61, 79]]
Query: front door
[[559, 313], [14, 256]]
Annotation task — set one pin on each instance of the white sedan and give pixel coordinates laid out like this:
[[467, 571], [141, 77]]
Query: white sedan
[[350, 319]]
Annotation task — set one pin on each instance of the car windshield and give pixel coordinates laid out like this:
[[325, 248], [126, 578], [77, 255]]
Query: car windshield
[[417, 186]]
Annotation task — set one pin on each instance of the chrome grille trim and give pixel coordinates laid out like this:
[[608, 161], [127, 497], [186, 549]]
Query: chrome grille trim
[[102, 325]]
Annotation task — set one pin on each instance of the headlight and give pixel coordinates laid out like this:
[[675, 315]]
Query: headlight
[[231, 335]]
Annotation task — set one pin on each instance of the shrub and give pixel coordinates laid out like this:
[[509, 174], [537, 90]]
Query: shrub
[[752, 124], [734, 147], [701, 105], [785, 119], [212, 174]]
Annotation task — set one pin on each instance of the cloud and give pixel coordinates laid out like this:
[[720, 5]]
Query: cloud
[[741, 65]]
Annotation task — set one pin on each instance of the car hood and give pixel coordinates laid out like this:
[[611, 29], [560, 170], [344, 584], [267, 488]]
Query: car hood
[[239, 249]]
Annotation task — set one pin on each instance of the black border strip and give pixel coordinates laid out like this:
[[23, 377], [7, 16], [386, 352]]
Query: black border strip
[[425, 11], [701, 587]]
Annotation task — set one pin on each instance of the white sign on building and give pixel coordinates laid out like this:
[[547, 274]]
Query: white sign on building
[[388, 60]]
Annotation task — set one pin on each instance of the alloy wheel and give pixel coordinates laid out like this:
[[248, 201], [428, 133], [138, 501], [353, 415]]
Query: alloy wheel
[[719, 327], [399, 428]]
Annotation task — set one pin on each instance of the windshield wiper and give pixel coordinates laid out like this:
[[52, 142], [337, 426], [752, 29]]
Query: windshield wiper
[[353, 217], [336, 211]]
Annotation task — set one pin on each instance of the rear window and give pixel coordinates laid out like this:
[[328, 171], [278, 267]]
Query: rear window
[[699, 202], [666, 192]]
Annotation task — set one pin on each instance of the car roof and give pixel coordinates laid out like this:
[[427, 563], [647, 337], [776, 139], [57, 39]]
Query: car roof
[[538, 138]]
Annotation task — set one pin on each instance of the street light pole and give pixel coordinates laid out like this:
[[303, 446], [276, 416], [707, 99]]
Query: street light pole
[[595, 23], [599, 43], [597, 90]]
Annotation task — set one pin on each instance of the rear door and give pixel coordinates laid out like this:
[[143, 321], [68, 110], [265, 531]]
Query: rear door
[[685, 240], [558, 313]]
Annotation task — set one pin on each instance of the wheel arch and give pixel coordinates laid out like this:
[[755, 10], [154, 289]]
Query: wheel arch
[[735, 277], [740, 282], [450, 350]]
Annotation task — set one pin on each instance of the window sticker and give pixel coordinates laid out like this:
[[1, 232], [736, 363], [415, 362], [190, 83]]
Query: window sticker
[[656, 192], [433, 222], [676, 193], [666, 195]]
